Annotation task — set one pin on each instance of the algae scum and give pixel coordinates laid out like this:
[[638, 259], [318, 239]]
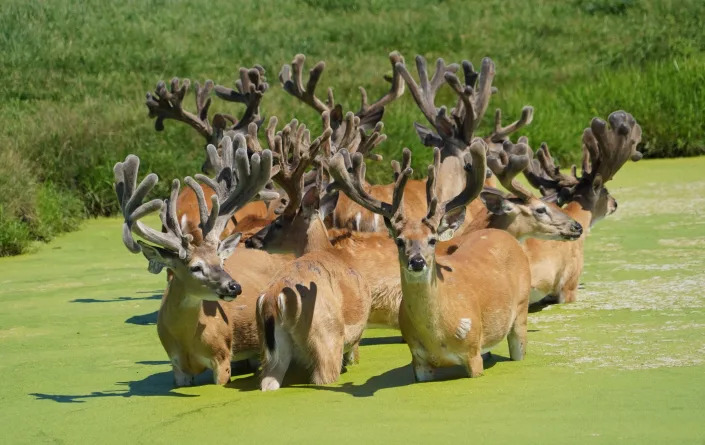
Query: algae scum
[[82, 362]]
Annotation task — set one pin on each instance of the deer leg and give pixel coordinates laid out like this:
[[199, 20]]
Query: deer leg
[[352, 356], [276, 361], [423, 372], [221, 370], [474, 365], [569, 295], [326, 362], [517, 336], [181, 378]]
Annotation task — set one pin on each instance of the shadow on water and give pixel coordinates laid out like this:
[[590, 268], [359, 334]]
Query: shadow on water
[[143, 320], [154, 296], [372, 341], [160, 384], [403, 376]]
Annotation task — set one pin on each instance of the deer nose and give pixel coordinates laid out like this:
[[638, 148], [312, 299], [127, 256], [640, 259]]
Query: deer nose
[[417, 263], [577, 227], [234, 288]]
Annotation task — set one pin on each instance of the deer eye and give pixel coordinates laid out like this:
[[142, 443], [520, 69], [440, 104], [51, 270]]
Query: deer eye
[[196, 268], [400, 242], [432, 241], [541, 210]]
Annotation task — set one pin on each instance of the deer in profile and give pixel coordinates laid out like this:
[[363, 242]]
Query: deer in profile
[[202, 302], [521, 212], [454, 306], [556, 267]]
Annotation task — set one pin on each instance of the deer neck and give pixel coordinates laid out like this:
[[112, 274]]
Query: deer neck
[[579, 213], [421, 296], [178, 308], [316, 236]]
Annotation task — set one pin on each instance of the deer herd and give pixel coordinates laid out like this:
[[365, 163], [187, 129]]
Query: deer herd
[[281, 252]]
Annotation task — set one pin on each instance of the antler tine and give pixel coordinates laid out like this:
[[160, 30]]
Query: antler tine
[[237, 180], [501, 133], [425, 94], [295, 153], [352, 183], [543, 174], [512, 160], [609, 149], [293, 83], [130, 197], [473, 97], [369, 142], [371, 114], [249, 90], [168, 104], [475, 166]]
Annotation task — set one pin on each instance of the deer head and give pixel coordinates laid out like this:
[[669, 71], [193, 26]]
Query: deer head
[[200, 267], [415, 239], [605, 151], [522, 213]]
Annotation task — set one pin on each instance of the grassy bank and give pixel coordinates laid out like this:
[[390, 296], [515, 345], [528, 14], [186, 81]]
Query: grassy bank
[[625, 364], [75, 73]]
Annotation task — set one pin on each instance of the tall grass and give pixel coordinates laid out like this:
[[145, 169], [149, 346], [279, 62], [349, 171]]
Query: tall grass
[[75, 73]]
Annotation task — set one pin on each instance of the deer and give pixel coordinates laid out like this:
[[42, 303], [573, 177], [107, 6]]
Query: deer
[[168, 103], [521, 213], [372, 253], [556, 267], [206, 316], [313, 312], [453, 306]]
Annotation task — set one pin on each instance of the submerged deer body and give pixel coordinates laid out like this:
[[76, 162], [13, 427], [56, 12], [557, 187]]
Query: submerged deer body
[[449, 315]]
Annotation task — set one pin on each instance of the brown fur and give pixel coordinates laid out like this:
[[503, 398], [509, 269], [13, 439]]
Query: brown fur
[[555, 266], [198, 334], [313, 312], [486, 281]]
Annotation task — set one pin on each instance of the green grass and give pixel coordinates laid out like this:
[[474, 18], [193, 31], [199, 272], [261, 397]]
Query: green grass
[[75, 74], [625, 364]]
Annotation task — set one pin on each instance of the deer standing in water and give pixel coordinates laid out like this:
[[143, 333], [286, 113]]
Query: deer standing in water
[[556, 267], [195, 322], [455, 306]]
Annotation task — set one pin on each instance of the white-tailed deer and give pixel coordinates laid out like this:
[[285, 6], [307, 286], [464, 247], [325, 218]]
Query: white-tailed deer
[[315, 309], [197, 315], [522, 214], [373, 254], [458, 305], [556, 267], [314, 313]]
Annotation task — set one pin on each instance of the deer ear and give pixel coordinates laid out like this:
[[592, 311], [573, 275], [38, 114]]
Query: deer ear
[[227, 246], [496, 203], [597, 184], [450, 223], [158, 258], [328, 203]]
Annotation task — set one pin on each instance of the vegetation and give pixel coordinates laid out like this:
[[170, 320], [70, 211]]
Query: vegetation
[[75, 73], [625, 364]]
